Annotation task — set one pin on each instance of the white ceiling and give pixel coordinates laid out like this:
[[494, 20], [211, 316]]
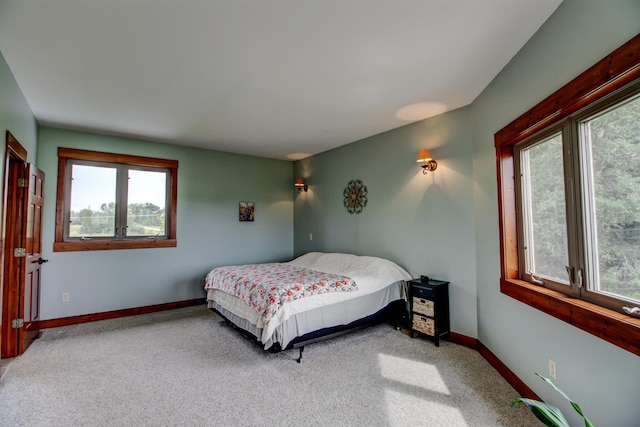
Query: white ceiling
[[270, 78]]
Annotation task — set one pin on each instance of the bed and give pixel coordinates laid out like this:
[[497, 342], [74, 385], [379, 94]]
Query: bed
[[315, 296]]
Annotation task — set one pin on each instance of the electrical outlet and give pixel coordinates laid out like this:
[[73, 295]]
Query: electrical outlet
[[310, 236], [65, 296], [552, 369]]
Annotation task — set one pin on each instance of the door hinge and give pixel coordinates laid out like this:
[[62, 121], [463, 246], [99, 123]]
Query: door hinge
[[20, 252], [23, 182], [17, 323]]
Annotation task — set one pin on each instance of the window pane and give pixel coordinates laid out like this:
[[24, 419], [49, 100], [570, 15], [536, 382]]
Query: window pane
[[146, 200], [93, 197], [544, 210], [611, 142]]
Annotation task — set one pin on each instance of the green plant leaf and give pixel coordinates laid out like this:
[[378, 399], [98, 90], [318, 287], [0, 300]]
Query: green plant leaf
[[550, 415], [575, 406], [552, 384]]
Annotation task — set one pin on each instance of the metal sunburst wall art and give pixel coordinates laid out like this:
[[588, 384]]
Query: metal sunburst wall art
[[355, 196]]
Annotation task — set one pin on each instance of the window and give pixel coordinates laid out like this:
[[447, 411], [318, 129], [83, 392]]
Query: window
[[578, 198], [609, 141], [569, 201], [113, 201], [542, 210]]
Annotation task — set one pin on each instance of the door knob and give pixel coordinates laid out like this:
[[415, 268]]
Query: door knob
[[42, 261]]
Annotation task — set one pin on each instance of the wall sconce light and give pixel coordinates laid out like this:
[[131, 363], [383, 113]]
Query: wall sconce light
[[428, 164], [300, 185]]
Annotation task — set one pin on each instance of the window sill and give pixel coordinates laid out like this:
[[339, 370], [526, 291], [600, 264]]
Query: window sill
[[113, 244], [617, 328]]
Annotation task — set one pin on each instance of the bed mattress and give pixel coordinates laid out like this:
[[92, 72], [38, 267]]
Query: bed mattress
[[305, 322]]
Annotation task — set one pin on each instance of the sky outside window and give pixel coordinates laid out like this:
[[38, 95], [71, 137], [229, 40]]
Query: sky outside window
[[93, 186]]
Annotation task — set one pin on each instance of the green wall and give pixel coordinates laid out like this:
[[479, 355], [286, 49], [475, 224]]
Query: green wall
[[446, 224], [16, 115], [416, 220], [602, 377], [210, 186]]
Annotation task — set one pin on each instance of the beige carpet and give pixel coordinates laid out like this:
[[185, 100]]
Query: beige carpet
[[187, 368]]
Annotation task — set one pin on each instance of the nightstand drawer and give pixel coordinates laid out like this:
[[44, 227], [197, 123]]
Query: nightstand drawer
[[421, 291], [423, 306], [424, 324]]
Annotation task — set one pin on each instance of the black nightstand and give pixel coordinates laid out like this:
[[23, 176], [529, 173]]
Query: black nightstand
[[429, 308]]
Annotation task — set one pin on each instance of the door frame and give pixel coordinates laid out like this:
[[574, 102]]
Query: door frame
[[11, 342]]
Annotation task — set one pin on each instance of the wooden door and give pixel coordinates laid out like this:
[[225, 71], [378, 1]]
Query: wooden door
[[32, 242], [21, 250]]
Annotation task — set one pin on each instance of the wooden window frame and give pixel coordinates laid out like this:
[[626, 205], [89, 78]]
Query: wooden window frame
[[66, 154], [613, 72]]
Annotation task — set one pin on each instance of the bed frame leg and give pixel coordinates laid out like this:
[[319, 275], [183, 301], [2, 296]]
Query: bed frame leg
[[299, 359]]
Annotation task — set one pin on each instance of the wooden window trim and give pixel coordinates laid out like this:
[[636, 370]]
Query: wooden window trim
[[613, 72], [65, 154]]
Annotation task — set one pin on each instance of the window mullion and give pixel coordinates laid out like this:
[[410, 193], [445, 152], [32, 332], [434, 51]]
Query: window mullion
[[121, 204], [523, 196], [586, 227], [67, 196], [575, 269]]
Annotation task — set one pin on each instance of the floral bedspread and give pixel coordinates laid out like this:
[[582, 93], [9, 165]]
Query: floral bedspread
[[266, 287]]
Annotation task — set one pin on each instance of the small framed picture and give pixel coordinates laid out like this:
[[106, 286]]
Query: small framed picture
[[246, 211]]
